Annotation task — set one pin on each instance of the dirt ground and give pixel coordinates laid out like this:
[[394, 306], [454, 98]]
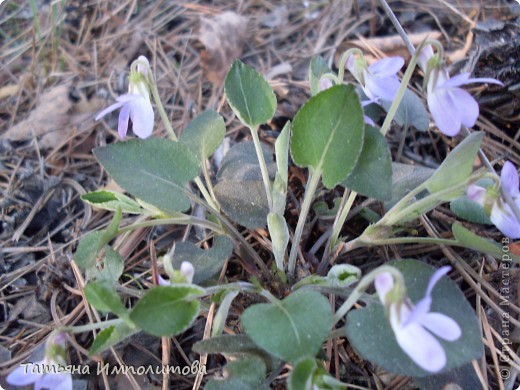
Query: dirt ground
[[63, 61]]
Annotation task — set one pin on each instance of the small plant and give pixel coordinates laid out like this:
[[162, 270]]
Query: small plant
[[420, 325]]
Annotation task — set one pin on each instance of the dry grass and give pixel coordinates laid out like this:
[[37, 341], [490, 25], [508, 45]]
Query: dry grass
[[87, 47]]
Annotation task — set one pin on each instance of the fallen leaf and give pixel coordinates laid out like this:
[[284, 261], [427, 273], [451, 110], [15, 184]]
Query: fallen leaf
[[9, 90], [223, 37], [51, 115]]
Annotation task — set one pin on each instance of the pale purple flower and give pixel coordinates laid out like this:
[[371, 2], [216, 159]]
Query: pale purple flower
[[379, 80], [49, 373], [414, 326], [135, 105], [451, 106], [496, 208]]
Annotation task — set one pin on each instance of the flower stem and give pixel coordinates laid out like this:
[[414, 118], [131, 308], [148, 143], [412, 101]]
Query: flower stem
[[162, 112], [182, 220], [92, 326], [263, 166], [362, 286], [205, 193], [312, 184], [341, 217]]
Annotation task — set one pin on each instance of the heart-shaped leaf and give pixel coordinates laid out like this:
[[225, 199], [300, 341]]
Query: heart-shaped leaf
[[155, 170], [207, 263], [372, 175], [204, 134], [405, 178], [369, 331], [249, 95], [105, 298], [292, 328], [327, 134], [110, 336], [167, 310], [248, 372]]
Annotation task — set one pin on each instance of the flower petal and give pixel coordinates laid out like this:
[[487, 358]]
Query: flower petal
[[141, 113], [24, 375], [386, 66], [424, 57], [509, 179], [455, 81], [503, 218], [444, 112], [61, 381], [381, 87], [108, 110], [437, 275], [122, 126], [466, 105], [384, 283], [419, 345], [441, 325], [476, 194]]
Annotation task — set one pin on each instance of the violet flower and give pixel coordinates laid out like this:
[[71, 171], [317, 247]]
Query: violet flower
[[413, 325], [379, 80], [135, 105], [450, 106], [183, 275], [495, 207], [49, 373]]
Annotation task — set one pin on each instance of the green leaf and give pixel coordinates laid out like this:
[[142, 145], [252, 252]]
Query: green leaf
[[460, 378], [469, 211], [457, 166], [167, 310], [207, 263], [111, 200], [241, 163], [302, 374], [249, 95], [88, 248], [244, 202], [155, 170], [235, 346], [405, 178], [468, 239], [327, 134], [411, 111], [105, 298], [204, 134], [112, 267], [317, 68], [369, 331], [372, 175], [245, 373], [110, 336], [288, 329]]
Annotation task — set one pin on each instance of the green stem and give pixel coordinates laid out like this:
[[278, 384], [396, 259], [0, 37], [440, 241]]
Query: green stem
[[343, 61], [162, 112], [400, 93], [342, 217], [93, 326], [209, 184], [184, 220], [263, 167], [363, 285], [312, 184], [205, 193], [408, 240]]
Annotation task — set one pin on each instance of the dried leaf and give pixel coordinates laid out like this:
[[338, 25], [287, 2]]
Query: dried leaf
[[51, 115], [224, 37]]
